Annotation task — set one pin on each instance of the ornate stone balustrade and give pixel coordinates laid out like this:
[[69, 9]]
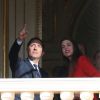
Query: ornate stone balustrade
[[47, 87]]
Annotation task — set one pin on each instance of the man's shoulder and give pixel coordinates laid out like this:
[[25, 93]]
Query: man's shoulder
[[23, 60], [23, 63]]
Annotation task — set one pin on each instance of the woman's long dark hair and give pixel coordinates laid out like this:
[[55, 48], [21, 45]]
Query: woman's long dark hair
[[76, 54]]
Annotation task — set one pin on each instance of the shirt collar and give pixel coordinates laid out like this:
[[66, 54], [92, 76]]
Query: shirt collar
[[32, 62]]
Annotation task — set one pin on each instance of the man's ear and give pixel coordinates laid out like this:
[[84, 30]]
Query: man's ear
[[43, 53]]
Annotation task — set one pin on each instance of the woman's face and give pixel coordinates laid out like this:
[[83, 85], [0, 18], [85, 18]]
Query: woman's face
[[67, 48]]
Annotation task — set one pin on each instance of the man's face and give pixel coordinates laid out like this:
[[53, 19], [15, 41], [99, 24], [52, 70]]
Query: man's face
[[35, 50]]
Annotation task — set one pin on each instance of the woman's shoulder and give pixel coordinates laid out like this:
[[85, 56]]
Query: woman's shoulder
[[83, 58]]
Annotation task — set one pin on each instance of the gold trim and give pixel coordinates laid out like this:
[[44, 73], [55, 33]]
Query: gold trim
[[5, 38]]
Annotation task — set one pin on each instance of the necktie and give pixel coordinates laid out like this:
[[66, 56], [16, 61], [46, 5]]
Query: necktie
[[35, 66], [37, 72], [36, 75]]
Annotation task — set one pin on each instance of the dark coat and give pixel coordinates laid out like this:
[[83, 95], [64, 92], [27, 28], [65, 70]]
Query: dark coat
[[23, 68], [15, 62]]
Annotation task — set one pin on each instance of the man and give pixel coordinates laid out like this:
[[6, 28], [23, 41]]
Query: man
[[28, 67], [15, 48]]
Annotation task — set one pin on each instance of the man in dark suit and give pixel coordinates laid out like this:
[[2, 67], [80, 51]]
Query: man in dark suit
[[28, 67], [14, 51]]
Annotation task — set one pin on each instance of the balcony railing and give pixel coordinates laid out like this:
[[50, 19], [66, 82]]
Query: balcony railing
[[47, 87]]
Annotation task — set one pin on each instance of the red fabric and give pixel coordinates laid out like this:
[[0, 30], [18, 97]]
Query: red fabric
[[84, 68]]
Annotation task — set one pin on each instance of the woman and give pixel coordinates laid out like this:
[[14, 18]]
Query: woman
[[78, 64]]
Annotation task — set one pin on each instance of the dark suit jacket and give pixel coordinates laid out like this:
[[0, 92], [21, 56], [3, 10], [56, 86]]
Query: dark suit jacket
[[22, 68], [13, 56], [25, 69]]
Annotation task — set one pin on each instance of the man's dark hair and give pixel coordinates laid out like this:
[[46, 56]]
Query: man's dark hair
[[35, 40]]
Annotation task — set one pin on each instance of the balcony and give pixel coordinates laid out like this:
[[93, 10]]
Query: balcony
[[47, 87]]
